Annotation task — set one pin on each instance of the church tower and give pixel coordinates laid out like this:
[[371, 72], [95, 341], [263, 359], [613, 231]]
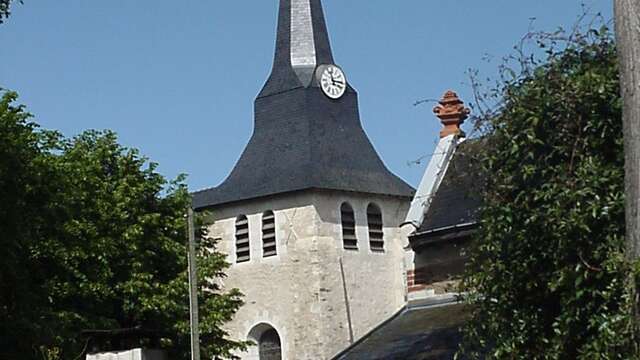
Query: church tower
[[309, 215]]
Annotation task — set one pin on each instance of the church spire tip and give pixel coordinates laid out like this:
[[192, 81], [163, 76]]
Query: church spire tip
[[302, 43]]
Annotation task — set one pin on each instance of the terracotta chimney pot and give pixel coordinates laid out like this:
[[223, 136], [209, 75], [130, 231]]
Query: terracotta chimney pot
[[452, 114]]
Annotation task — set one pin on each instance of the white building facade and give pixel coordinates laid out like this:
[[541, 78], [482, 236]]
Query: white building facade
[[316, 294], [310, 216]]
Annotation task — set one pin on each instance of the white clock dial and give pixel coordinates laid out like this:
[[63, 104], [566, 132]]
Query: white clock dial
[[333, 82]]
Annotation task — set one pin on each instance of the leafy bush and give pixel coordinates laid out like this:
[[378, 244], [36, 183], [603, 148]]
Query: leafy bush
[[547, 273]]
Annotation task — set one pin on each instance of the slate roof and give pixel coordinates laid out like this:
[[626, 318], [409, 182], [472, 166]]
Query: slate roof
[[283, 77], [457, 200], [416, 333], [302, 139]]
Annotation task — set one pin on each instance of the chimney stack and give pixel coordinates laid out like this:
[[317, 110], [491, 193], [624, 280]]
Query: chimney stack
[[452, 114]]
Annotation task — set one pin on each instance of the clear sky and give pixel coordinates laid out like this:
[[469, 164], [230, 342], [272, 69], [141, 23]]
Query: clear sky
[[177, 79]]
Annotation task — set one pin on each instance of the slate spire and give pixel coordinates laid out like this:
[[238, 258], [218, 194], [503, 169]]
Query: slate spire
[[302, 43], [303, 140]]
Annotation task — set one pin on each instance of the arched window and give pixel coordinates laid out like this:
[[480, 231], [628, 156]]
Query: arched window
[[269, 247], [269, 346], [376, 234], [243, 247], [268, 343], [349, 239]]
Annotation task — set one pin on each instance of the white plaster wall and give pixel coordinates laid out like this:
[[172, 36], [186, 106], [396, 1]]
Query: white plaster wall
[[300, 292], [374, 280]]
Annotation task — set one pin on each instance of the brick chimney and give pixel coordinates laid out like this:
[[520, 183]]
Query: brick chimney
[[452, 114]]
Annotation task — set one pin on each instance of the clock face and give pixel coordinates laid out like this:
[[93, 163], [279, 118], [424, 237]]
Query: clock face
[[333, 82]]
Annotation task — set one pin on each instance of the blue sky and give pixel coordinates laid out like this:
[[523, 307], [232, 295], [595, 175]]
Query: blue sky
[[177, 79]]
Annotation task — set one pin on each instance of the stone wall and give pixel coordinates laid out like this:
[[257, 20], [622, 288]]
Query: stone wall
[[301, 291]]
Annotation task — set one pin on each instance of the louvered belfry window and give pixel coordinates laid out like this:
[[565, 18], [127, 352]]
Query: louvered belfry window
[[243, 247], [349, 239], [269, 245], [376, 234]]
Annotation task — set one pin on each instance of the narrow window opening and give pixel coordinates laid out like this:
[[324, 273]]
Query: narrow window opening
[[270, 347], [269, 244], [349, 239], [376, 233], [243, 247]]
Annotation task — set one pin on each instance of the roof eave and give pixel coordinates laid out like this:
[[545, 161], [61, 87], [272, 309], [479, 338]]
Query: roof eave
[[421, 240], [205, 205]]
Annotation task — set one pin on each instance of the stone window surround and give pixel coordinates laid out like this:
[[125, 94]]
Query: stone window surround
[[255, 333], [372, 250], [376, 244], [269, 234], [242, 239], [348, 227], [356, 220]]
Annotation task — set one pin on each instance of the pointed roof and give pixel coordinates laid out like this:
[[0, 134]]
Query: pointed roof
[[302, 43], [422, 330], [447, 202], [302, 139], [457, 200]]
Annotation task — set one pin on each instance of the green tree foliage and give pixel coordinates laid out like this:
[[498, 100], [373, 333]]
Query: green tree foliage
[[5, 6], [96, 241], [547, 273], [23, 190]]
